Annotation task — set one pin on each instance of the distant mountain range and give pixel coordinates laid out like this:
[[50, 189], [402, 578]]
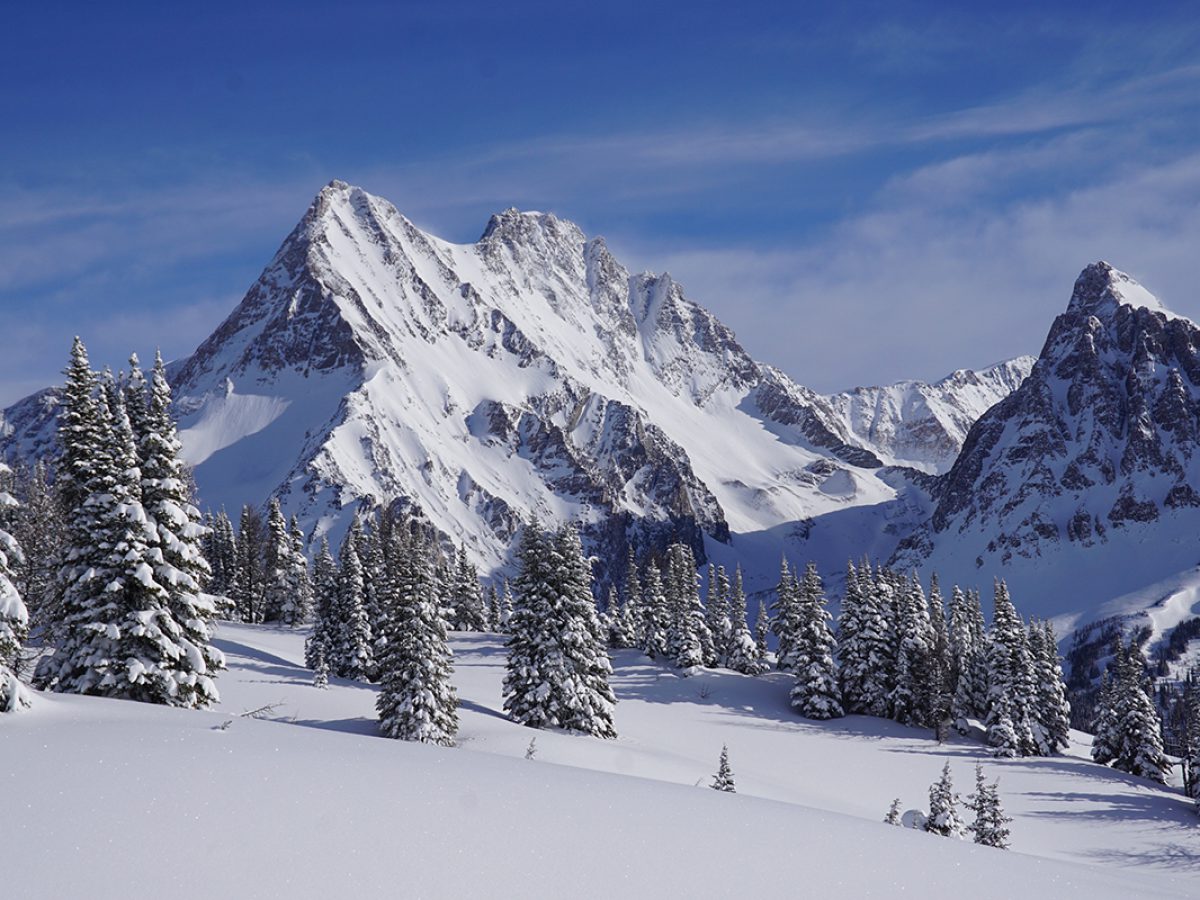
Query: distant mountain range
[[530, 372]]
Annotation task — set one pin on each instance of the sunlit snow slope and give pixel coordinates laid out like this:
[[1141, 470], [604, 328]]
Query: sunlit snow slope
[[107, 794]]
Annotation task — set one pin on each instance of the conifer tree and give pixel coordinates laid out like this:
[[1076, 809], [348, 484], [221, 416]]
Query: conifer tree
[[762, 626], [302, 607], [491, 598], [1010, 681], [990, 827], [1105, 744], [656, 616], [349, 651], [506, 607], [864, 643], [632, 611], [723, 780], [38, 528], [1051, 710], [416, 701], [744, 655], [938, 689], [943, 807], [1191, 758], [815, 695], [179, 564], [787, 620], [910, 693], [247, 593], [14, 622], [687, 630], [717, 612], [557, 669], [963, 649], [278, 593], [1136, 728], [319, 646], [893, 814], [465, 598]]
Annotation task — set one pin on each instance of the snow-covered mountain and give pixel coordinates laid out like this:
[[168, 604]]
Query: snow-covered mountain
[[526, 372], [924, 425], [1083, 483]]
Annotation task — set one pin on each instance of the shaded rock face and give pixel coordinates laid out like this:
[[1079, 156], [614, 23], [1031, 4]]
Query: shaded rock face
[[1100, 436]]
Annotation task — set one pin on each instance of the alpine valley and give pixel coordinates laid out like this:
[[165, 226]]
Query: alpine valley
[[530, 372]]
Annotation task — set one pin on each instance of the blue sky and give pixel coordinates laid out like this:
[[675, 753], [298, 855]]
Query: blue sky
[[880, 191]]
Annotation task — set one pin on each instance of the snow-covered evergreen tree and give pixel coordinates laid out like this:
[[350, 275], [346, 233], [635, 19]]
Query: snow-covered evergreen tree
[[319, 646], [1010, 681], [943, 807], [893, 814], [179, 564], [632, 627], [465, 596], [349, 651], [990, 827], [723, 780], [963, 648], [302, 606], [1105, 743], [815, 694], [416, 701], [689, 642], [1191, 760], [14, 622], [557, 669], [38, 527], [716, 611], [278, 593], [495, 615], [743, 654], [865, 643], [911, 692], [247, 587], [787, 621], [762, 627], [655, 614], [937, 687], [1051, 710], [1136, 730]]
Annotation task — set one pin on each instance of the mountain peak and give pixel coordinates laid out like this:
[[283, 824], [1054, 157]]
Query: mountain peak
[[514, 226], [1101, 288]]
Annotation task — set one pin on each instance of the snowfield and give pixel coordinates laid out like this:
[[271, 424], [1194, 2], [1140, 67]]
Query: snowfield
[[105, 798]]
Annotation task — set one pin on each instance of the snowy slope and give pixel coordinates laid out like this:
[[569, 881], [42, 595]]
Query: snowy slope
[[312, 804]]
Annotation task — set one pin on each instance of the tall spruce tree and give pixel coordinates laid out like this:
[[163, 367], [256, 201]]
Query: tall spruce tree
[[1010, 681], [248, 585], [1136, 730], [743, 652], [319, 646], [278, 594], [787, 621], [1051, 710], [180, 565], [416, 701], [350, 646], [14, 620], [655, 614], [963, 646], [865, 643], [911, 691], [716, 611], [466, 598], [301, 609], [558, 669], [816, 694]]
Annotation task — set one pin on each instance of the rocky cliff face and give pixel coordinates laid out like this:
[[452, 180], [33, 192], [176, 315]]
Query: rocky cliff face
[[1094, 454]]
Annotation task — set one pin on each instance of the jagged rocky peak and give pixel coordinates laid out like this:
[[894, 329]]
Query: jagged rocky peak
[[1100, 438]]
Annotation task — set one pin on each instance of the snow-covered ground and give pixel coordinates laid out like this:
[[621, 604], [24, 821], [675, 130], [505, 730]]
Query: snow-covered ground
[[104, 797]]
